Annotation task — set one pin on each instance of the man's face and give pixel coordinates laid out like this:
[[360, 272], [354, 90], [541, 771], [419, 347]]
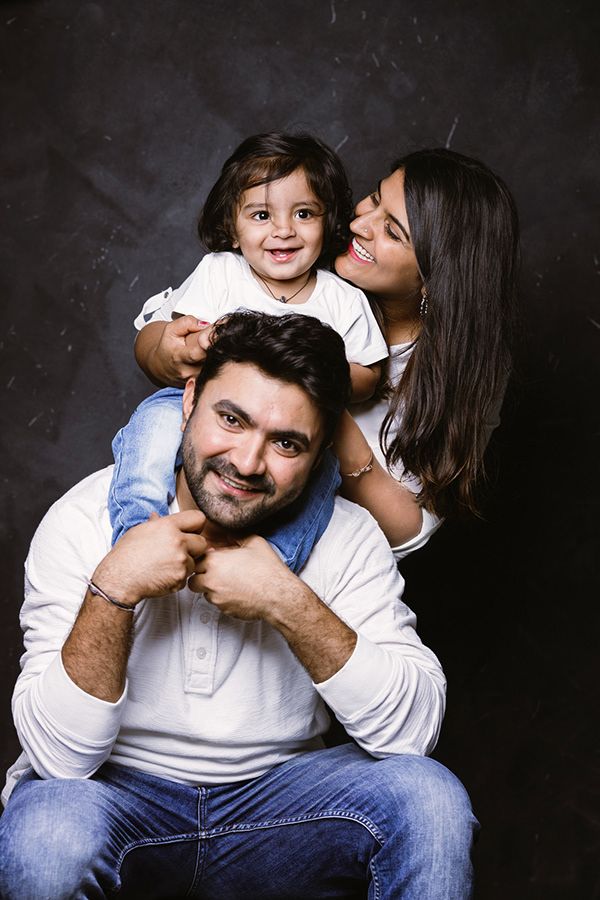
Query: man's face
[[249, 445]]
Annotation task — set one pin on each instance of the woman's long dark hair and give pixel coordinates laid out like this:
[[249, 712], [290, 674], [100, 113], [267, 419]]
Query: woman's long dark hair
[[464, 230]]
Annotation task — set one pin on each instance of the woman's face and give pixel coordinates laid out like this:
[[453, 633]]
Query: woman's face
[[380, 258]]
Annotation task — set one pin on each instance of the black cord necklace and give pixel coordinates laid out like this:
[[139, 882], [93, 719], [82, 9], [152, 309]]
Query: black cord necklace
[[283, 299]]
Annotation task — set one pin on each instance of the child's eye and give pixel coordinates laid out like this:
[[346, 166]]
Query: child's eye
[[261, 216], [304, 213]]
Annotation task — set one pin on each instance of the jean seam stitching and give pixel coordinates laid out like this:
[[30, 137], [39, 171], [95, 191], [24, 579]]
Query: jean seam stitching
[[375, 880], [147, 842], [199, 812], [298, 820]]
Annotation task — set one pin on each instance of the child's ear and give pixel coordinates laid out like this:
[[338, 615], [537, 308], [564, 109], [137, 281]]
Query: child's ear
[[235, 244]]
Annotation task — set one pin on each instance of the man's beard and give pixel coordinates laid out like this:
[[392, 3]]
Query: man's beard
[[227, 511]]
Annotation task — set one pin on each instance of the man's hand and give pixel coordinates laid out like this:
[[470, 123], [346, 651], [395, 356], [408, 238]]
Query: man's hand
[[171, 352], [243, 581], [251, 582], [153, 559]]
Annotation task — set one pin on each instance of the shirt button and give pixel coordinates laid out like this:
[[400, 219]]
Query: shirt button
[[205, 618], [201, 653]]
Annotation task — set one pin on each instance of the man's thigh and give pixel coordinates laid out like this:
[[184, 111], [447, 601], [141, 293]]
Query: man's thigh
[[338, 823], [119, 832]]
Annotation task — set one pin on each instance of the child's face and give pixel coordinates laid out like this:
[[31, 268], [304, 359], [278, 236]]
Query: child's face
[[279, 228]]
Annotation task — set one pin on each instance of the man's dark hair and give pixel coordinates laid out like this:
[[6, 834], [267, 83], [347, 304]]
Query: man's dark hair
[[292, 348], [264, 158]]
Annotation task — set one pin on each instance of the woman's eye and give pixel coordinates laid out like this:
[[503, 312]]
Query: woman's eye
[[392, 234], [374, 198]]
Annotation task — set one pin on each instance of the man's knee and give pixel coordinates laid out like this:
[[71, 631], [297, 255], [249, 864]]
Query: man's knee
[[50, 839], [421, 792]]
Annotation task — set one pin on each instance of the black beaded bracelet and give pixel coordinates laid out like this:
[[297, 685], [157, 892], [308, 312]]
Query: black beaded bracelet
[[98, 592]]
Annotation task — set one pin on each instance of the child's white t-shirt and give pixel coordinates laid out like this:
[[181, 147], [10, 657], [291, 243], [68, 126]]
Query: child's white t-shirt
[[223, 283]]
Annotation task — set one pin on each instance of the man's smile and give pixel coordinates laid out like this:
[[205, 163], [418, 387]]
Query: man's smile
[[231, 483]]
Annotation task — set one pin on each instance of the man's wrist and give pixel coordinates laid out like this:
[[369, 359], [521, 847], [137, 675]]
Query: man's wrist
[[108, 584], [97, 591], [294, 597]]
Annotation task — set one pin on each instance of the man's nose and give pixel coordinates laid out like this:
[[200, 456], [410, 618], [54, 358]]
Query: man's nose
[[248, 455]]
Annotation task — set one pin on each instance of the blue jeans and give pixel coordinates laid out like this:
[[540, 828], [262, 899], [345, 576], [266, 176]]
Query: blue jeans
[[146, 455], [331, 823]]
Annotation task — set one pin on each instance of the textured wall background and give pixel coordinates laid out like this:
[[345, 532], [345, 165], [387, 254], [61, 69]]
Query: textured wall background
[[116, 119]]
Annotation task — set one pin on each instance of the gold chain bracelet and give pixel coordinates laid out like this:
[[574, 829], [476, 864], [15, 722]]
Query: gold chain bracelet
[[363, 469]]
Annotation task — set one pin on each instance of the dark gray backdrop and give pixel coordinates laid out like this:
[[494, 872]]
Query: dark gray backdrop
[[117, 117]]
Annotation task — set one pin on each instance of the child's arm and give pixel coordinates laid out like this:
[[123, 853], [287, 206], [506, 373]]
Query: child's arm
[[171, 352], [364, 380], [395, 507]]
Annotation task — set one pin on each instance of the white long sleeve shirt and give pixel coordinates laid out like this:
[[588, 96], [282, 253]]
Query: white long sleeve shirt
[[211, 699]]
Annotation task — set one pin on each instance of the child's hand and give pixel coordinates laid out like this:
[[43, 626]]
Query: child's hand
[[172, 352]]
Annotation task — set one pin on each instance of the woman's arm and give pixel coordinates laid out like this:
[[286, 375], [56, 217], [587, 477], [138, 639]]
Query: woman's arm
[[393, 506]]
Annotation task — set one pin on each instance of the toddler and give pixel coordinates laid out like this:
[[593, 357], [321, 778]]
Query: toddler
[[277, 213]]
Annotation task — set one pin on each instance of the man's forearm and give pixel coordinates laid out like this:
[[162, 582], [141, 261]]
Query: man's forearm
[[96, 652], [318, 638]]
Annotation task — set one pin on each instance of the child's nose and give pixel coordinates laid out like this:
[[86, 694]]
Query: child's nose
[[283, 226]]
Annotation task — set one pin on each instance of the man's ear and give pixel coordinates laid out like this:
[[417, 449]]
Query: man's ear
[[188, 401]]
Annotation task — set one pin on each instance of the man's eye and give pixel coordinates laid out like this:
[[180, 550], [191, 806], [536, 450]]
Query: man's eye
[[229, 420], [289, 447]]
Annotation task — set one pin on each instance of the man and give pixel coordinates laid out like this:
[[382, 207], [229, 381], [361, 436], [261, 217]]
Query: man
[[172, 706]]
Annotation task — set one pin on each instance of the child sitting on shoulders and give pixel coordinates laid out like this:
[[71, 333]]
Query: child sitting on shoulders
[[278, 213]]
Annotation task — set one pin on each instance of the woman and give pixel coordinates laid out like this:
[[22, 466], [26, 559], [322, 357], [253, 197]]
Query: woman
[[436, 247]]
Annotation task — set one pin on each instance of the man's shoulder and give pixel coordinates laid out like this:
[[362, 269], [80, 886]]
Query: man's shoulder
[[352, 553], [88, 499], [353, 534]]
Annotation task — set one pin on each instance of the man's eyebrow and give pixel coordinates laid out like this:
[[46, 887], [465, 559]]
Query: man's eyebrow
[[229, 406], [393, 218], [289, 434]]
